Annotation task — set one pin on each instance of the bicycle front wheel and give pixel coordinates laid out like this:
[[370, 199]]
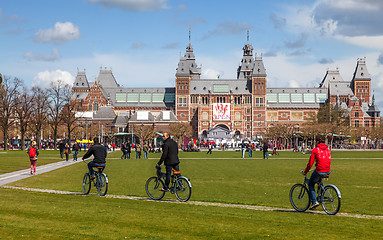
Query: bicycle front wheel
[[330, 200], [182, 189], [86, 183], [102, 184], [153, 186], [299, 197]]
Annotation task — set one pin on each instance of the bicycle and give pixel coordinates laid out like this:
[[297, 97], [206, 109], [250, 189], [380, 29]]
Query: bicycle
[[180, 186], [100, 182], [328, 195]]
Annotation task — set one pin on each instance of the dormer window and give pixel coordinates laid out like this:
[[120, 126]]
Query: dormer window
[[83, 84], [76, 84]]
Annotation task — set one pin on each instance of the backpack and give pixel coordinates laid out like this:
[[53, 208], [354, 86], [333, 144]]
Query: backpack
[[32, 152]]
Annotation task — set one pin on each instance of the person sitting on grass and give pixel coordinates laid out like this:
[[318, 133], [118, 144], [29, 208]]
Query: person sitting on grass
[[321, 155], [99, 152]]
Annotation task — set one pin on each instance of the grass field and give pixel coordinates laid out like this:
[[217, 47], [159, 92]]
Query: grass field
[[222, 177]]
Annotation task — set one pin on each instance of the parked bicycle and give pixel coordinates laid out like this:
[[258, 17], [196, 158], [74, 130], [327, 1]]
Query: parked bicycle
[[328, 195], [100, 182], [179, 185]]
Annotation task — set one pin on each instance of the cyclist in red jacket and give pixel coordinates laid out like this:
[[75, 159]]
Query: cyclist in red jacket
[[321, 155]]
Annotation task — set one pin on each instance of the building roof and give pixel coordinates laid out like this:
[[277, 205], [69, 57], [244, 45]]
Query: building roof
[[106, 79], [105, 113], [121, 121], [331, 76], [187, 65], [220, 86], [81, 82], [361, 72], [340, 88], [78, 95], [141, 97], [295, 97]]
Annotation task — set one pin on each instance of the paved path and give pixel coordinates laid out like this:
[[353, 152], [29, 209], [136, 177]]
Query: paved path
[[21, 174]]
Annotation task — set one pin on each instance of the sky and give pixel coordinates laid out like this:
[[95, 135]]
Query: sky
[[141, 41]]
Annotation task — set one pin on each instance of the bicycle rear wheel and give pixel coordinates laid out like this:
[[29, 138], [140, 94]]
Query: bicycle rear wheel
[[102, 184], [86, 183], [299, 197], [330, 200], [182, 189], [153, 186]]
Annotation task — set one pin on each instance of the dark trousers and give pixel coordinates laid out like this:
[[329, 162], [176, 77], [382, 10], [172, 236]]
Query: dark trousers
[[169, 173], [93, 164]]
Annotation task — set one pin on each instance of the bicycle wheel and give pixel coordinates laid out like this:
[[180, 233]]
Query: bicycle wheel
[[102, 184], [330, 200], [86, 183], [182, 189], [153, 186], [299, 197]]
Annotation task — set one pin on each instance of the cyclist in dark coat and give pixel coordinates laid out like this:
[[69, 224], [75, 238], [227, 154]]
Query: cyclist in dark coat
[[169, 158], [99, 152]]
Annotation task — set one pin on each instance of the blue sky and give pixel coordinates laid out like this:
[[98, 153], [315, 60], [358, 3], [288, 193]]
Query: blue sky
[[142, 40]]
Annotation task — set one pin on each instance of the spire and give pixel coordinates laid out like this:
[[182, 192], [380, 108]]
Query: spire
[[189, 35], [248, 37]]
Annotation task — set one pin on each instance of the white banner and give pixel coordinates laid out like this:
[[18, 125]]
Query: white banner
[[221, 111]]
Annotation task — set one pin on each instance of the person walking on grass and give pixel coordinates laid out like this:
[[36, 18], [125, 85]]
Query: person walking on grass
[[243, 146], [62, 148], [170, 158], [265, 149], [75, 150], [321, 155], [138, 151], [33, 152], [210, 147], [123, 150], [145, 148], [66, 151]]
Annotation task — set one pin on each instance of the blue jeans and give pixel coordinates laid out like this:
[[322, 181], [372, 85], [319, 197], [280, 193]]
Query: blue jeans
[[138, 154], [315, 178], [169, 172], [93, 164], [265, 155], [146, 154], [75, 155], [250, 153]]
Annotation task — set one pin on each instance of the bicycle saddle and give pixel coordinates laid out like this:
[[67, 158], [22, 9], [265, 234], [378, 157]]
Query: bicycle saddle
[[176, 172]]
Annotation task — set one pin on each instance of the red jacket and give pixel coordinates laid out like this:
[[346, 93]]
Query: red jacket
[[322, 156]]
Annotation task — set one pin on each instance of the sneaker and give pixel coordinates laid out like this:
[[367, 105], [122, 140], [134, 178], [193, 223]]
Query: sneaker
[[314, 205], [164, 190]]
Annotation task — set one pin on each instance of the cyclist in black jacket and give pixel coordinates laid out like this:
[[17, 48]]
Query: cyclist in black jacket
[[99, 152], [169, 157]]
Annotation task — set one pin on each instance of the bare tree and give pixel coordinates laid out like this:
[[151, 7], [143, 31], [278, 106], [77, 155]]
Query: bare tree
[[144, 132], [56, 93], [180, 130], [40, 103], [23, 112], [8, 92], [68, 114]]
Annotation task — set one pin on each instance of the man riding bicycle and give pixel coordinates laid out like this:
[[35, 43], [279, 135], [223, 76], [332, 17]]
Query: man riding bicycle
[[169, 157], [99, 152], [322, 156]]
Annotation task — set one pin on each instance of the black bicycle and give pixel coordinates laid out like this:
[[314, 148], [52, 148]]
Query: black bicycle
[[179, 185], [100, 182], [328, 195]]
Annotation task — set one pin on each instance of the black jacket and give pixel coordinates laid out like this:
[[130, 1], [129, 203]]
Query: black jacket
[[98, 151], [128, 148], [169, 153], [76, 147]]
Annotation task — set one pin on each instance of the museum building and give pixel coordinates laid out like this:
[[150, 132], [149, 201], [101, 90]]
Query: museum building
[[240, 108]]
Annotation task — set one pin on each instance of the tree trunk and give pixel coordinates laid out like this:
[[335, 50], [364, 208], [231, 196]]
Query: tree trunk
[[5, 135], [22, 132]]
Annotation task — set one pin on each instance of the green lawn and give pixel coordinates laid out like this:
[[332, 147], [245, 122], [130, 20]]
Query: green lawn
[[220, 177]]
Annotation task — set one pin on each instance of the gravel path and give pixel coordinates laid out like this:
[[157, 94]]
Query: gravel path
[[199, 203]]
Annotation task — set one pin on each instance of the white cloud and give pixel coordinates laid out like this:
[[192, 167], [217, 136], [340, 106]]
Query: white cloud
[[374, 42], [60, 33], [211, 74], [43, 57], [43, 79], [134, 5]]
